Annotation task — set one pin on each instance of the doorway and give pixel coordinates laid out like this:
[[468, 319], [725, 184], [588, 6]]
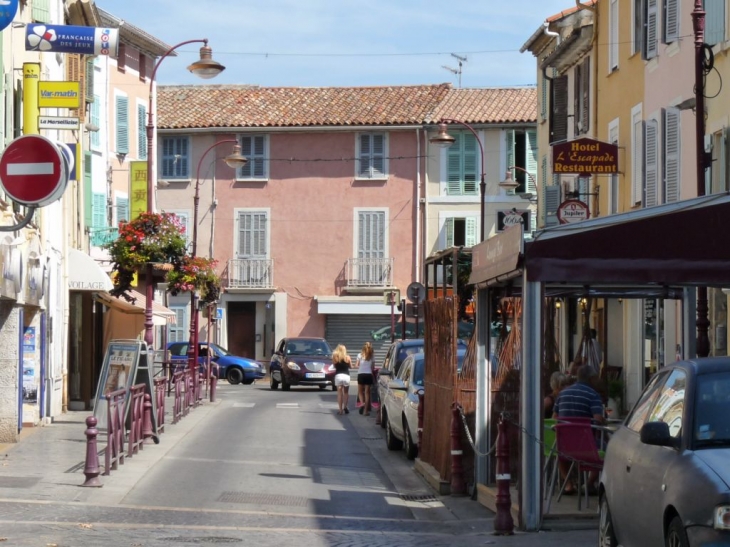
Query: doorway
[[242, 329]]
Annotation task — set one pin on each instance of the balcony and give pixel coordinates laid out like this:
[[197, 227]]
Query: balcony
[[251, 273], [102, 236], [375, 273]]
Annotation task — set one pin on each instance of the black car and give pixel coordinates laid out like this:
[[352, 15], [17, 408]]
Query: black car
[[302, 362], [666, 478]]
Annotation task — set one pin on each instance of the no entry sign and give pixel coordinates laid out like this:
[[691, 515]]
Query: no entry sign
[[33, 171]]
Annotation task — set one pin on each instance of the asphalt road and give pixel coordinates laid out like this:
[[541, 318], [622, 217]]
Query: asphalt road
[[263, 468]]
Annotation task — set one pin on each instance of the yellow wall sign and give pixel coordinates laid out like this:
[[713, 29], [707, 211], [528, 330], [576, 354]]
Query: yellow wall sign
[[59, 94], [137, 188]]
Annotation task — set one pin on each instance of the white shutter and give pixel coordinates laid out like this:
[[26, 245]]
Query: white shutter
[[449, 233], [613, 36], [378, 155], [652, 16], [510, 149], [637, 159], [714, 21], [651, 163], [671, 21], [471, 231], [531, 160], [365, 151], [671, 155], [470, 163]]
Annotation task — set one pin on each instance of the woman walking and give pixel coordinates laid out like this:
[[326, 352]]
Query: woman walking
[[364, 366], [342, 363]]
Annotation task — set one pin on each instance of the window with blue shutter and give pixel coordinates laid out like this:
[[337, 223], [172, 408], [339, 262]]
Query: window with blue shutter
[[122, 125], [178, 332], [371, 156], [671, 21], [254, 147], [460, 232], [462, 165], [714, 21], [122, 209], [141, 131], [41, 11], [98, 219], [522, 158], [175, 158], [96, 122]]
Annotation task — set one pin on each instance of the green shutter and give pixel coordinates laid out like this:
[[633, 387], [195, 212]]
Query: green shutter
[[714, 21], [122, 119], [510, 149], [471, 231], [453, 167], [122, 209], [449, 229], [141, 131], [41, 11], [471, 153], [531, 160], [88, 199]]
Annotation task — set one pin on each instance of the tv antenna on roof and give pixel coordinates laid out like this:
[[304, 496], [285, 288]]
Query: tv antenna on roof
[[456, 71]]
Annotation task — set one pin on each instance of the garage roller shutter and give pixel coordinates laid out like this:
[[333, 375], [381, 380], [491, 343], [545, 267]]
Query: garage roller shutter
[[354, 331]]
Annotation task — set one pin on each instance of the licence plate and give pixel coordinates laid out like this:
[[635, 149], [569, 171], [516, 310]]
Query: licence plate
[[315, 374]]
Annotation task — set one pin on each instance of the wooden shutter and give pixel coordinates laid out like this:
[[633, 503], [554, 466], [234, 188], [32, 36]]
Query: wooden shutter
[[365, 155], [544, 98], [471, 154], [259, 152], [585, 114], [252, 234], [378, 156], [449, 233], [510, 149], [98, 213], [613, 48], [577, 94], [122, 209], [141, 131], [650, 41], [671, 21], [559, 110], [471, 231], [637, 161], [73, 74], [531, 159], [651, 163], [122, 125], [371, 234], [714, 21], [122, 57], [453, 167], [41, 12], [671, 155], [142, 67], [89, 88]]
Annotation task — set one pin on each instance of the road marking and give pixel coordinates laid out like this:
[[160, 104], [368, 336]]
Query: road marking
[[287, 405], [244, 405], [329, 406]]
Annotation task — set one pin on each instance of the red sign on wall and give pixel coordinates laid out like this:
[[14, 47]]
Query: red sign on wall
[[585, 157], [573, 210]]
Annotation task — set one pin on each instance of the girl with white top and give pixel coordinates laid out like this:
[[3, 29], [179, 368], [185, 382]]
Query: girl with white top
[[365, 377]]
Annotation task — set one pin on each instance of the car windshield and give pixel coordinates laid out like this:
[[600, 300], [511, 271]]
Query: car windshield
[[308, 347], [712, 407], [220, 350]]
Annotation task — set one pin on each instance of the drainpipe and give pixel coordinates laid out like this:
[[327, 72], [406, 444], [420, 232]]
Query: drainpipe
[[417, 246]]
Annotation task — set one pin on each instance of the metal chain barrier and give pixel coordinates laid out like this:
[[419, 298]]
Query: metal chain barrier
[[469, 437]]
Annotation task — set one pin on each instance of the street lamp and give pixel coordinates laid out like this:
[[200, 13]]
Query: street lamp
[[510, 184], [234, 160], [205, 67], [444, 140]]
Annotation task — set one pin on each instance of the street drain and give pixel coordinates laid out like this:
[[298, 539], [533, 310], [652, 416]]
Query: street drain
[[418, 497], [198, 540], [262, 499]]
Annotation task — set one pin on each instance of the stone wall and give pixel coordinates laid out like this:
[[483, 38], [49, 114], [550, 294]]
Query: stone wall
[[9, 341]]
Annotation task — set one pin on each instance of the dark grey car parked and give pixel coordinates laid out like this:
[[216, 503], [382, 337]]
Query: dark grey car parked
[[666, 474]]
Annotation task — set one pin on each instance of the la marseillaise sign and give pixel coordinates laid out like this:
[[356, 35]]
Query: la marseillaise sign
[[585, 157]]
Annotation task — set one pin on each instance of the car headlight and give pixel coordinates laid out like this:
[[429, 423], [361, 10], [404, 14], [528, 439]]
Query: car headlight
[[293, 366], [722, 517]]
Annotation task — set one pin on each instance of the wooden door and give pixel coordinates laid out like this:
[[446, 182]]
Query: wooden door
[[242, 329]]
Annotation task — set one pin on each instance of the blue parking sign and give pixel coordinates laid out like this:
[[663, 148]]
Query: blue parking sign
[[8, 9]]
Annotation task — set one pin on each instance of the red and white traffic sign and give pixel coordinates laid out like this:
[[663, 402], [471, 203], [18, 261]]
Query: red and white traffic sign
[[33, 171], [573, 210]]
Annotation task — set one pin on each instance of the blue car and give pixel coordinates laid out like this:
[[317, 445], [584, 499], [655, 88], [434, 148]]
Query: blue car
[[233, 368]]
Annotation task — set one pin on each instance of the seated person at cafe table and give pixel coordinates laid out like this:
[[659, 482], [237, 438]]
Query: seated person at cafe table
[[579, 400]]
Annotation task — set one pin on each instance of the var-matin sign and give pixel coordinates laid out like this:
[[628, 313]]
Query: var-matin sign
[[585, 157]]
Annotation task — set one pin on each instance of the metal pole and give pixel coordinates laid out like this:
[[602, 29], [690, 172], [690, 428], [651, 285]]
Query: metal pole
[[698, 23]]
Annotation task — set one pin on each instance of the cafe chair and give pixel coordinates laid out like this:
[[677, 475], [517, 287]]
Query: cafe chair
[[576, 443]]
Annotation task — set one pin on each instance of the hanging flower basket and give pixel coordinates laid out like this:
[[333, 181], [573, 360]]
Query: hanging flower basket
[[195, 274], [151, 238]]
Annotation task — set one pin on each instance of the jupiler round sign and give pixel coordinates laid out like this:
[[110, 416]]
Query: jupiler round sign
[[33, 171], [573, 210]]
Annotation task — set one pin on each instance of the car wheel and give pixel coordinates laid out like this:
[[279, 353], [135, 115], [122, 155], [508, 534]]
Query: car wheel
[[390, 440], [381, 415], [410, 447], [606, 537], [676, 535], [273, 384], [284, 385], [234, 375]]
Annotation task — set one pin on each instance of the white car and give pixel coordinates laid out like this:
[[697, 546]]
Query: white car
[[399, 404]]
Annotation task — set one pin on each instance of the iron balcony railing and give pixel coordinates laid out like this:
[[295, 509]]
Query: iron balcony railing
[[251, 273], [370, 272], [102, 236]]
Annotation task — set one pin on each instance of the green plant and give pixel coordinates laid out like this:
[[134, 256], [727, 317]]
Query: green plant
[[149, 238], [616, 389], [193, 274]]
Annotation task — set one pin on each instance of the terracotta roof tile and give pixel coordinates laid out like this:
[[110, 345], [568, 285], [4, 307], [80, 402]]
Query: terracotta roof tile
[[492, 105], [570, 10], [211, 106]]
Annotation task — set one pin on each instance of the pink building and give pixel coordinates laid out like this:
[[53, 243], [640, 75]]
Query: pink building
[[319, 225]]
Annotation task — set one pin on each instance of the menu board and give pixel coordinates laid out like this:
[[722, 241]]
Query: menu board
[[118, 371]]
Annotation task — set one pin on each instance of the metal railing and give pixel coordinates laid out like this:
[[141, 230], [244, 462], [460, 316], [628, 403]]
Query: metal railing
[[251, 273], [370, 272]]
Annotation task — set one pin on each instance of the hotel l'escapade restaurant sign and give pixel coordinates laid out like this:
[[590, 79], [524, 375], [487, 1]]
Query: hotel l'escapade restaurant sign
[[72, 39], [585, 157]]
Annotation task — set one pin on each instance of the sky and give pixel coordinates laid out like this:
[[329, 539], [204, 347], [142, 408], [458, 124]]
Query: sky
[[323, 43]]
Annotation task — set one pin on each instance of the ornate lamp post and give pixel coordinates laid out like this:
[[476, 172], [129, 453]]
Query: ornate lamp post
[[234, 160], [510, 184], [205, 67], [444, 140]]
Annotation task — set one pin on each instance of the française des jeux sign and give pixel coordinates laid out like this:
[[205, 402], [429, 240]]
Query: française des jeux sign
[[585, 157]]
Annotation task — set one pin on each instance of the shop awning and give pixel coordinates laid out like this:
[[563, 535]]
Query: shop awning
[[161, 315], [85, 274]]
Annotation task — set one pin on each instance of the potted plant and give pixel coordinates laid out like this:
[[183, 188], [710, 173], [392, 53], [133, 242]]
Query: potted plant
[[148, 239], [195, 274]]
